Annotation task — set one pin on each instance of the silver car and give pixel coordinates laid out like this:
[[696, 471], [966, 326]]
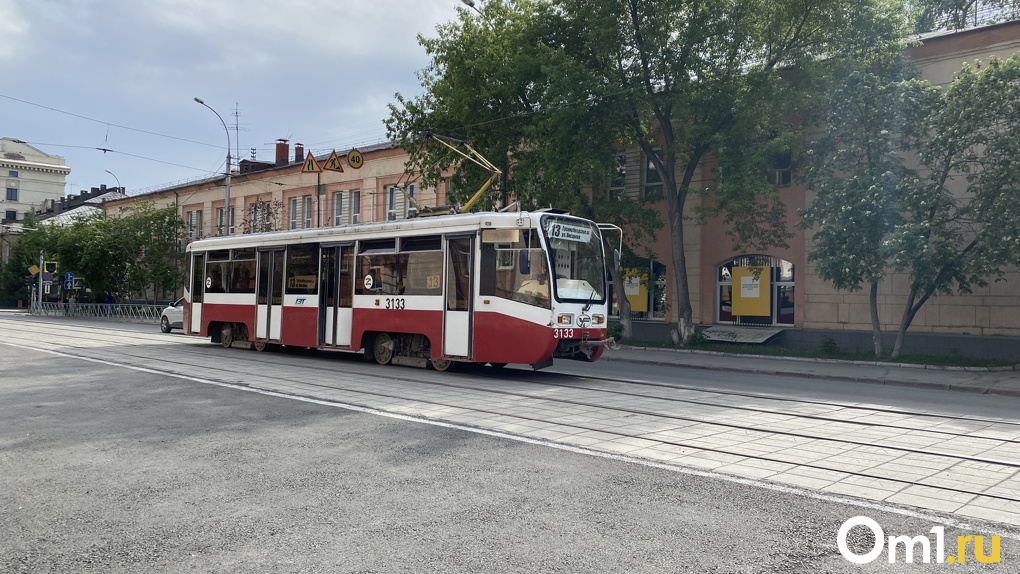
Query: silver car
[[172, 317]]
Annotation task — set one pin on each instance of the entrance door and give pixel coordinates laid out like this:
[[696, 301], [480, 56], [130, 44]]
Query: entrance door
[[459, 288], [269, 287], [335, 313], [197, 290]]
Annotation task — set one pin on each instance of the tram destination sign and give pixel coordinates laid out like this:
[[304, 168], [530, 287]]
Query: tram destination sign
[[567, 232]]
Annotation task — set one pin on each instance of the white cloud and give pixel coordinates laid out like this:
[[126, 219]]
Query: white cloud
[[14, 29]]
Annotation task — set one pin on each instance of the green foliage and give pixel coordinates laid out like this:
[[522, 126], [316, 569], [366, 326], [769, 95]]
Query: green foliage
[[548, 89], [948, 218], [828, 347], [697, 339], [930, 15], [615, 331], [116, 254]]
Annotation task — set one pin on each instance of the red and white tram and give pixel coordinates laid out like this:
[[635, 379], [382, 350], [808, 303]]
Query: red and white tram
[[492, 288]]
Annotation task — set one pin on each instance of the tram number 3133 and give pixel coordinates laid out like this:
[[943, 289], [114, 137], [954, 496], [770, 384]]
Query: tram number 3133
[[395, 303], [563, 333]]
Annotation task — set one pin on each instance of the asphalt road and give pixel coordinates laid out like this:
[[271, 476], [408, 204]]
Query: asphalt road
[[104, 469]]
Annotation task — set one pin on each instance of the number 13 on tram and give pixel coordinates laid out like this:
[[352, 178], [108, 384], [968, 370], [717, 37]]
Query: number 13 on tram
[[496, 288]]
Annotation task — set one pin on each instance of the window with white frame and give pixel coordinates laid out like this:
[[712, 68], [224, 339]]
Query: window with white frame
[[12, 173], [391, 203], [260, 213], [652, 188], [410, 212], [194, 224], [12, 194], [338, 208], [219, 221], [301, 212], [355, 206]]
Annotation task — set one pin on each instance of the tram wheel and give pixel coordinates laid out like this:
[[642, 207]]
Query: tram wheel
[[497, 365], [259, 345], [382, 348], [441, 365], [227, 335]]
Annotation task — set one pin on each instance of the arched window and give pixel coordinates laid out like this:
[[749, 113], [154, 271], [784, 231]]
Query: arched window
[[755, 290]]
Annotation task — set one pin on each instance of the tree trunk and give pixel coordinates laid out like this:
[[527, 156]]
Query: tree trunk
[[619, 289], [876, 326], [909, 311], [685, 323]]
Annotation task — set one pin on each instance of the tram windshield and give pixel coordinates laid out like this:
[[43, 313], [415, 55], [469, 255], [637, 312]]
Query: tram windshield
[[575, 251]]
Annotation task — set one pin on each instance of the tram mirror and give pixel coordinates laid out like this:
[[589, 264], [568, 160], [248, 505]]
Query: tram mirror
[[524, 262]]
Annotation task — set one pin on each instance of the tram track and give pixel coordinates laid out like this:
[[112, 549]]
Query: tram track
[[210, 350], [418, 381]]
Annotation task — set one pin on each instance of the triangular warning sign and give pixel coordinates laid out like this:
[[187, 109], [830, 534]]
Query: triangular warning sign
[[333, 163], [311, 166]]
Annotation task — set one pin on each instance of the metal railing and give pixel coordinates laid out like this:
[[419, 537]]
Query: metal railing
[[136, 313]]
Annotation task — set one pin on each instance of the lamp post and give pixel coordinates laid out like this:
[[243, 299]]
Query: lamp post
[[226, 196], [119, 186], [471, 4]]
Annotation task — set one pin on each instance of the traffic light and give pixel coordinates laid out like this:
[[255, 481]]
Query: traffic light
[[50, 267]]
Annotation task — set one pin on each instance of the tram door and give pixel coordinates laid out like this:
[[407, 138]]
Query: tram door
[[337, 288], [197, 290], [269, 287], [459, 287]]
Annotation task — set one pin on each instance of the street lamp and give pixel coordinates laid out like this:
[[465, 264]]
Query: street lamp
[[119, 186], [226, 197], [471, 4]]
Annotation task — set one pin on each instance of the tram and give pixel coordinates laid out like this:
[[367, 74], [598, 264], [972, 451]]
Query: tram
[[496, 288]]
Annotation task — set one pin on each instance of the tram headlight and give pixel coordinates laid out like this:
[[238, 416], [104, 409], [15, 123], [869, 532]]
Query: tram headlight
[[598, 319], [565, 319]]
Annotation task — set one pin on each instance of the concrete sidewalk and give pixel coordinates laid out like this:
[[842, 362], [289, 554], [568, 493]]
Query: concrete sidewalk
[[997, 380]]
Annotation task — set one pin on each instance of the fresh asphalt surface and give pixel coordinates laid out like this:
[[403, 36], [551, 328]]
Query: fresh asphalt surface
[[104, 469]]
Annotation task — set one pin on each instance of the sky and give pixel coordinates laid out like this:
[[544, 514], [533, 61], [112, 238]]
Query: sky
[[123, 74]]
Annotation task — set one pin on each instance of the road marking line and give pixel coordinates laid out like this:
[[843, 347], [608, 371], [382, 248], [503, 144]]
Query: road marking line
[[951, 522]]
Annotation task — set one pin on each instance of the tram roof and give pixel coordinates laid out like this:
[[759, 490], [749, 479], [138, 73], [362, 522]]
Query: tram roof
[[379, 229]]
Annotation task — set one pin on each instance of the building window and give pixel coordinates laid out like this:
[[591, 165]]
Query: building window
[[737, 288], [219, 220], [301, 212], [355, 206], [10, 215], [779, 170], [652, 186], [12, 173], [391, 203], [338, 208], [618, 179], [411, 193], [195, 224], [12, 194]]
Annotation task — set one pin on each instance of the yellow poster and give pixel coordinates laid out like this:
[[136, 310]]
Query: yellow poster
[[636, 293], [751, 294]]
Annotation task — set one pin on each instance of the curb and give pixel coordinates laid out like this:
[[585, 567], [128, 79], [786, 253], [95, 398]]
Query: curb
[[832, 361], [831, 377]]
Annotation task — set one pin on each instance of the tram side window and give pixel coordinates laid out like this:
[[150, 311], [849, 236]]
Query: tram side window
[[242, 271], [302, 269], [515, 270]]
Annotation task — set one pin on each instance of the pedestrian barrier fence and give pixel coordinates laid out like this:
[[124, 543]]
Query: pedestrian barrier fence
[[136, 313]]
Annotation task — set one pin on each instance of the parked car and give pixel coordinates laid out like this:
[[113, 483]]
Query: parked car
[[172, 317]]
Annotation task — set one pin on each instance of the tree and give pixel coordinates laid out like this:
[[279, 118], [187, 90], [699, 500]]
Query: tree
[[948, 217], [860, 177], [684, 80]]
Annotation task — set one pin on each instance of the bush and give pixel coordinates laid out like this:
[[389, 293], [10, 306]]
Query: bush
[[697, 339], [829, 346], [615, 331]]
